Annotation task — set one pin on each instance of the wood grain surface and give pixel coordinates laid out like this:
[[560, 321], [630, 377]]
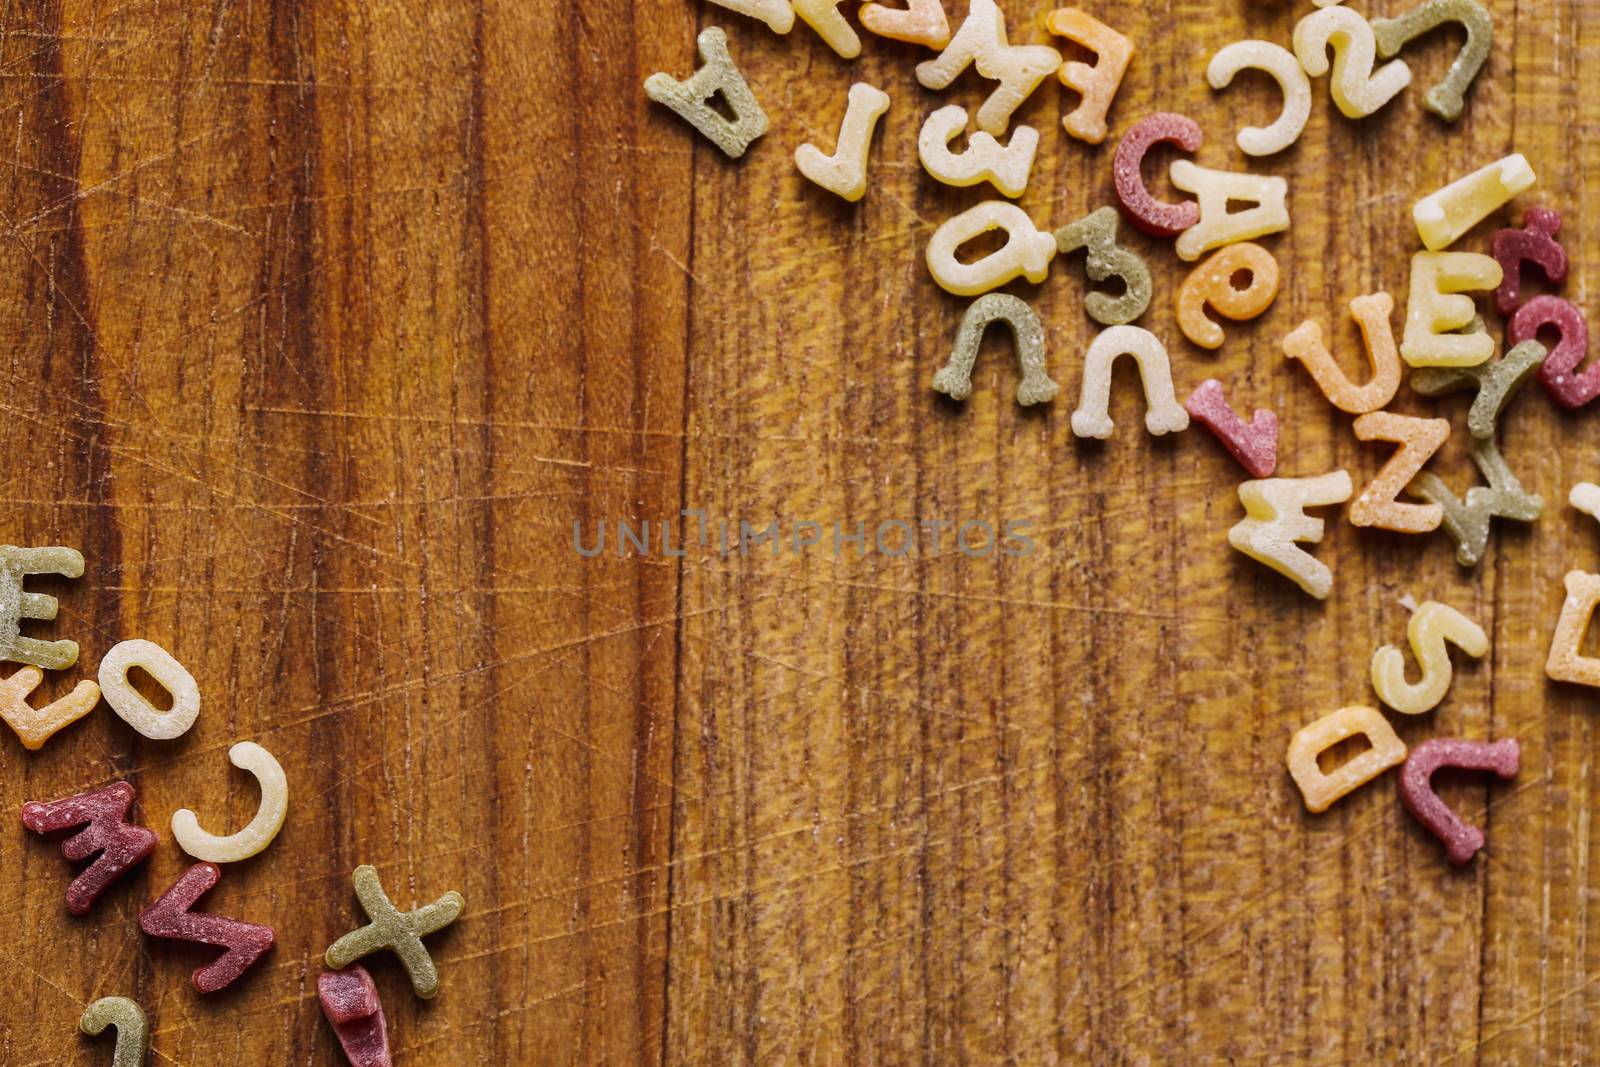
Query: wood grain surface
[[325, 322]]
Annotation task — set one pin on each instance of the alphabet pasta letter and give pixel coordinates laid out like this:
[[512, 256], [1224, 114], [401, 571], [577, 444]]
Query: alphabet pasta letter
[[1097, 84], [1418, 439], [955, 378], [1254, 444], [1164, 414], [1569, 389], [1372, 314], [1445, 216], [1356, 88], [131, 704], [401, 934], [1535, 243], [35, 726], [17, 604], [1275, 520], [1566, 663], [103, 814], [1216, 189], [1027, 253], [1448, 97], [919, 22], [350, 1002], [845, 172], [1461, 839], [692, 99], [1284, 68], [1321, 790], [1495, 383], [982, 41], [247, 756], [1429, 629], [1006, 168], [1467, 522], [1439, 308], [1097, 232], [133, 1030], [173, 917], [1155, 217], [1585, 497], [777, 14], [824, 17], [1211, 283]]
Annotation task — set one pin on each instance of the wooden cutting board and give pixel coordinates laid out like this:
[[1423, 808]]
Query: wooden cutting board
[[326, 322]]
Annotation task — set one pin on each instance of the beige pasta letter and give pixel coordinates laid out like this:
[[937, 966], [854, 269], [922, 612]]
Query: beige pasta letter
[[982, 41], [1006, 168], [1028, 252], [1285, 69], [1215, 189], [1355, 87], [131, 705], [1275, 521], [1163, 415], [845, 172], [247, 756]]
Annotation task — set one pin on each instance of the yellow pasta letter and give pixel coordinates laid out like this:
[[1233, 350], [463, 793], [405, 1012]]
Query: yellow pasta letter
[[1006, 168], [1438, 308], [1429, 629], [1355, 87], [824, 17], [1445, 216], [1285, 69]]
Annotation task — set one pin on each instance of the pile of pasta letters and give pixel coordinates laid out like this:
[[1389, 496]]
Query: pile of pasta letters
[[100, 827], [1445, 342]]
